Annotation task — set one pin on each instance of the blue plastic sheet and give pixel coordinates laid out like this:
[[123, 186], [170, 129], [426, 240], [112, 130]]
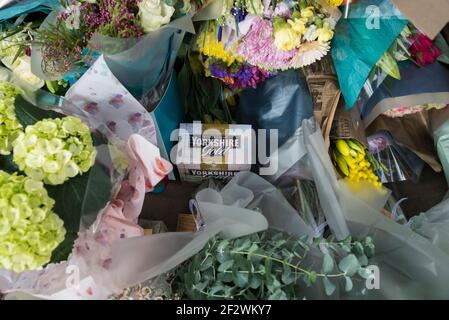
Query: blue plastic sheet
[[361, 40], [11, 9], [281, 102]]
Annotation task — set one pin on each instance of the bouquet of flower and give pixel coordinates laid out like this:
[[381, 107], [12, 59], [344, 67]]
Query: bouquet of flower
[[64, 44], [73, 176], [44, 155], [253, 39]]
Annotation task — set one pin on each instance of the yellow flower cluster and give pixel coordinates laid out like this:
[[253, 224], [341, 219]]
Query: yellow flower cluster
[[350, 157], [209, 45], [334, 3]]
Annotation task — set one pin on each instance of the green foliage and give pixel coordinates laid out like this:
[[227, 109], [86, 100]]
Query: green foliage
[[272, 266], [204, 98]]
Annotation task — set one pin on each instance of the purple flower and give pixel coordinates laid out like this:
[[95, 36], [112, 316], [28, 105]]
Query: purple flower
[[376, 144], [244, 77], [258, 49]]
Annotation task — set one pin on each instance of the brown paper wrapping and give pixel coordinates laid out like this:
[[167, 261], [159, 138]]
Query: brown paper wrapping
[[429, 16], [323, 86], [347, 124]]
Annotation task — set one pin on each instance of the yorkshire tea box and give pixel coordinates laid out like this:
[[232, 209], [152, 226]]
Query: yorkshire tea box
[[213, 150]]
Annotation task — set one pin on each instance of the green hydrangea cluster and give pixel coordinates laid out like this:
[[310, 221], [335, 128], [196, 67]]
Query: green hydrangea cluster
[[55, 150], [9, 126], [29, 229]]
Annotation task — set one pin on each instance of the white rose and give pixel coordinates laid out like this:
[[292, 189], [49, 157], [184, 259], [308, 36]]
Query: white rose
[[22, 75], [154, 14]]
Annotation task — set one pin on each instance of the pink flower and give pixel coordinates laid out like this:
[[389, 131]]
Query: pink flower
[[258, 49], [423, 50]]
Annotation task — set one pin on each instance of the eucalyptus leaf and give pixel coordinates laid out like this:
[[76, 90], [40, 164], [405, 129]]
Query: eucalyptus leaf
[[348, 284], [225, 277], [349, 265], [241, 278], [328, 263], [206, 264], [255, 281], [225, 265], [288, 277], [329, 287], [278, 295]]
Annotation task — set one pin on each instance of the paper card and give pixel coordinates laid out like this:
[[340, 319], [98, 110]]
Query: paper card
[[428, 16]]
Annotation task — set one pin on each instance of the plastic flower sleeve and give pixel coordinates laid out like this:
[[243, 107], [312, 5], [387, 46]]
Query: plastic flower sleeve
[[397, 163], [144, 63], [404, 258]]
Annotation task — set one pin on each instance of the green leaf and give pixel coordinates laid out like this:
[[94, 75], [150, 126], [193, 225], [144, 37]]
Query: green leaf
[[225, 265], [201, 286], [243, 244], [329, 287], [240, 278], [328, 263], [363, 260], [278, 295], [65, 248], [28, 114], [222, 245], [225, 277], [364, 273], [82, 195], [444, 48], [255, 281], [7, 164], [348, 285], [207, 263], [217, 288], [273, 283], [349, 265], [288, 277]]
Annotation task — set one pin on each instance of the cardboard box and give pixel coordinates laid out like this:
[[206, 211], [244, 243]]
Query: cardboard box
[[213, 150]]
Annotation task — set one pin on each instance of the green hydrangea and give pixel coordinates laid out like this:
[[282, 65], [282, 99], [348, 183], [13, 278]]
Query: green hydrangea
[[29, 229], [9, 126], [55, 150]]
